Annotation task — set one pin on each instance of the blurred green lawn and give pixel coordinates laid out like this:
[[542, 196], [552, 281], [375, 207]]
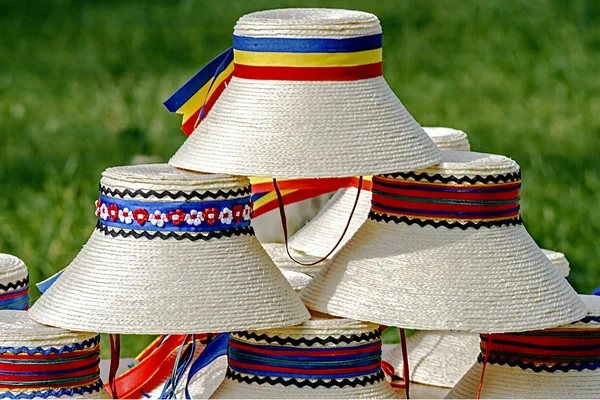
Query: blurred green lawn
[[82, 82]]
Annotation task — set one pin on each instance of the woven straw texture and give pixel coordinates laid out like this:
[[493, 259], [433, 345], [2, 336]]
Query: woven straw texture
[[442, 358], [559, 261], [153, 286], [491, 280], [297, 280], [437, 358], [418, 391], [323, 327], [280, 257], [319, 236], [12, 270], [17, 330], [504, 381], [294, 129]]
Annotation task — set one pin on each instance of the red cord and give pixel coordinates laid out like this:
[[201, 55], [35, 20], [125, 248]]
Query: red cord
[[115, 355], [405, 367], [285, 229], [485, 360]]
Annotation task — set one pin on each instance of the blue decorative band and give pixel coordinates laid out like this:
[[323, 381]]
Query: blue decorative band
[[15, 300], [44, 394], [52, 350], [201, 216], [303, 45]]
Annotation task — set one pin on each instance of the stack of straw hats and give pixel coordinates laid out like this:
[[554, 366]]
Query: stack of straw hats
[[437, 244]]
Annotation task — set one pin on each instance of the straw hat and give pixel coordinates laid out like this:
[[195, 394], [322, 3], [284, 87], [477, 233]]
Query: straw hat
[[297, 280], [319, 236], [559, 261], [445, 249], [14, 283], [37, 361], [259, 369], [173, 252], [515, 369], [307, 99], [442, 358]]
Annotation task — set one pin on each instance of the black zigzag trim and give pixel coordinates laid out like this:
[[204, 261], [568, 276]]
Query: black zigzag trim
[[367, 337], [246, 230], [565, 367], [15, 285], [345, 382], [446, 224], [188, 196], [515, 176]]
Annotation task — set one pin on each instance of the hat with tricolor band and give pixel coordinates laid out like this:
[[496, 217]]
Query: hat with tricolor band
[[300, 95], [38, 361], [441, 358], [560, 363], [173, 252], [445, 249], [14, 283]]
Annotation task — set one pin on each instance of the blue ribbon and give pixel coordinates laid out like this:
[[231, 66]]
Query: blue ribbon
[[45, 285], [302, 45], [20, 302], [166, 207], [214, 350]]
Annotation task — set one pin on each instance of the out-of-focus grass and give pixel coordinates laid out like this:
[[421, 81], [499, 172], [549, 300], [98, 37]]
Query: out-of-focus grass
[[81, 86]]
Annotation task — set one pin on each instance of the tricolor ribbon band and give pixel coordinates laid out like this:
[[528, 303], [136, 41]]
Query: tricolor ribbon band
[[555, 350], [202, 216], [15, 300], [295, 59], [452, 202], [304, 362], [68, 369]]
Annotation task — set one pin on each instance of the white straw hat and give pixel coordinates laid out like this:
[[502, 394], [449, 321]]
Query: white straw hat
[[323, 358], [445, 249], [173, 252], [281, 258], [442, 358], [37, 361], [14, 283], [559, 363], [307, 99], [319, 236], [297, 280], [559, 261]]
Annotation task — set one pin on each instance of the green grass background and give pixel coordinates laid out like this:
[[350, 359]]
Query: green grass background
[[82, 82]]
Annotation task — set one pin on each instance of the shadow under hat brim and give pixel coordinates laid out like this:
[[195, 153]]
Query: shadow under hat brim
[[306, 129], [159, 286], [488, 280], [437, 358]]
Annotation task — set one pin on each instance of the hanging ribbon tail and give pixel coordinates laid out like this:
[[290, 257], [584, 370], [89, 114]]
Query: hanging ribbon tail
[[45, 285], [596, 292], [197, 96], [214, 350]]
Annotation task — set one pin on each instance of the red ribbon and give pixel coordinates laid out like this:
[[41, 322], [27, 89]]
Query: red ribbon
[[345, 73]]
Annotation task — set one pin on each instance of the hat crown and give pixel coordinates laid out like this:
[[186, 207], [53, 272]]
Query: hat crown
[[14, 283], [308, 23]]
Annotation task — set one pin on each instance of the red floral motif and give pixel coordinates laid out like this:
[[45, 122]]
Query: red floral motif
[[238, 212], [176, 217], [141, 216], [210, 215], [113, 212]]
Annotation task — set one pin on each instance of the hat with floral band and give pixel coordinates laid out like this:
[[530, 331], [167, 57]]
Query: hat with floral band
[[173, 252], [306, 99], [559, 363], [444, 248], [39, 362], [442, 358], [14, 283]]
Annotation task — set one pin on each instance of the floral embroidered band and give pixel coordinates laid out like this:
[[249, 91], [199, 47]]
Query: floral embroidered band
[[547, 351], [403, 200], [201, 216], [50, 372]]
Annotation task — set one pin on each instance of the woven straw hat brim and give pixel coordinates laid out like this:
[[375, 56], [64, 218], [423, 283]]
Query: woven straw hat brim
[[448, 138], [12, 270], [292, 129], [437, 358], [297, 280], [141, 286], [559, 261], [489, 280], [516, 383], [419, 391], [230, 390], [281, 259]]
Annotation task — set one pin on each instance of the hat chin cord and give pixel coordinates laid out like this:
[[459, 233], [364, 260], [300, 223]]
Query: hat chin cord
[[285, 228]]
